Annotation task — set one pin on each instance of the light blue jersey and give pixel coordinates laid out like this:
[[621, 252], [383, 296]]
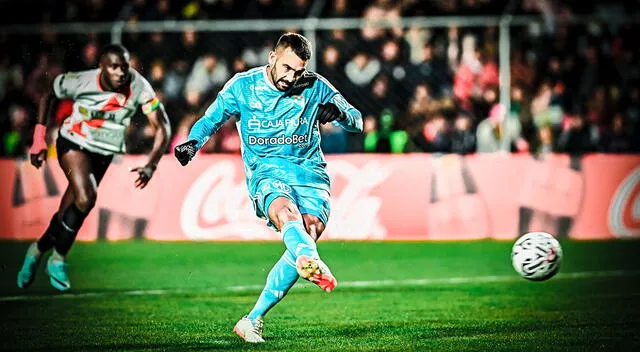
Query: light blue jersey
[[280, 138]]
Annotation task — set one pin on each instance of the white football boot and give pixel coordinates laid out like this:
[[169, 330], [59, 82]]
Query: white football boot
[[250, 331]]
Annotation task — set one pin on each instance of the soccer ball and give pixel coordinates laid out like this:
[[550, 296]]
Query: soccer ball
[[536, 256]]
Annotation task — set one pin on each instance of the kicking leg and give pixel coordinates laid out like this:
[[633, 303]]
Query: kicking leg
[[315, 270], [286, 216]]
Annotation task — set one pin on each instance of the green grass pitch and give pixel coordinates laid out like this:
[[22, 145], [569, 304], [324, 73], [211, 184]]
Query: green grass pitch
[[424, 296]]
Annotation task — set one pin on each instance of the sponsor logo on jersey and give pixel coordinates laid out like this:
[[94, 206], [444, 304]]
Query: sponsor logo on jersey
[[281, 140], [256, 125], [96, 114]]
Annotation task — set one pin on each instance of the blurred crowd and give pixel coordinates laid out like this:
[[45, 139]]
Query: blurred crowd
[[574, 88]]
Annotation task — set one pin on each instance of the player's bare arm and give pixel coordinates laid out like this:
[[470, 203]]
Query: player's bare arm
[[38, 151], [159, 120]]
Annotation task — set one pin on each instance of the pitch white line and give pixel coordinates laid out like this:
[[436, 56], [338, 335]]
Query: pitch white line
[[358, 284]]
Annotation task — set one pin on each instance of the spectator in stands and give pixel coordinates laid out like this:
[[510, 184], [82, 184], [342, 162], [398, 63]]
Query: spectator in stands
[[381, 11], [463, 138], [239, 65], [551, 70], [157, 74], [578, 135], [89, 57], [362, 69], [381, 136], [431, 71], [395, 66], [330, 66], [617, 138], [156, 47], [16, 138], [590, 73], [295, 8], [545, 107], [135, 63], [207, 75], [262, 9], [465, 85], [417, 38], [434, 135], [544, 143], [500, 133], [160, 12], [421, 106], [522, 71], [41, 77], [347, 44], [254, 55], [190, 47]]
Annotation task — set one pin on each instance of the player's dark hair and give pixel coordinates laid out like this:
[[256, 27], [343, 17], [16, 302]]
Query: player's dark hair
[[117, 49], [298, 43]]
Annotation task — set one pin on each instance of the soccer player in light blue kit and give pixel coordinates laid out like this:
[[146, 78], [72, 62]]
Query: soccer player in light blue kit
[[278, 109]]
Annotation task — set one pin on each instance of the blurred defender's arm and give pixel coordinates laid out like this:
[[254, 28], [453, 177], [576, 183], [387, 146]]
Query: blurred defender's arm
[[159, 120], [38, 151]]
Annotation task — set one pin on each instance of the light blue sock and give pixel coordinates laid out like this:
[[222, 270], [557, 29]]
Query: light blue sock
[[281, 278], [297, 240]]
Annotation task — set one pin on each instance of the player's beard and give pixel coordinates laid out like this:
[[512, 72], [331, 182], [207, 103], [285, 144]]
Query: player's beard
[[275, 80]]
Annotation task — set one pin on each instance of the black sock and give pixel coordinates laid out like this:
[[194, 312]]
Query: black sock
[[139, 226], [72, 220], [104, 216], [564, 226], [48, 239], [526, 214]]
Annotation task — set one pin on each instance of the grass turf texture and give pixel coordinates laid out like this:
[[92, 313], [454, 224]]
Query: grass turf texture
[[147, 296]]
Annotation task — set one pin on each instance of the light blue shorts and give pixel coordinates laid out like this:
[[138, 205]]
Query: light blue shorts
[[309, 200]]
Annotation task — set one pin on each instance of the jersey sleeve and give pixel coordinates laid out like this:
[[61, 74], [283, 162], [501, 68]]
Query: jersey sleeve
[[66, 85], [353, 118], [147, 98], [224, 106]]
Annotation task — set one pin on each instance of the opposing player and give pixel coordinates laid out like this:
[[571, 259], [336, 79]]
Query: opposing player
[[105, 99], [278, 108]]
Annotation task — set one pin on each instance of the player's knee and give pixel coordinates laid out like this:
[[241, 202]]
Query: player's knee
[[85, 201], [284, 212], [288, 213]]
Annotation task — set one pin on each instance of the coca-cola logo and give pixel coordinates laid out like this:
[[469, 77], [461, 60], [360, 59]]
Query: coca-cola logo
[[217, 205], [624, 210], [355, 210]]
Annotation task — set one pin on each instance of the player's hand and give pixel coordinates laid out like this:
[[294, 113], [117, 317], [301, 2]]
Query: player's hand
[[329, 112], [38, 150], [144, 175], [38, 158], [185, 152]]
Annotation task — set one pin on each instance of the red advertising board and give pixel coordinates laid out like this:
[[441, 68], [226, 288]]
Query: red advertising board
[[374, 197]]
